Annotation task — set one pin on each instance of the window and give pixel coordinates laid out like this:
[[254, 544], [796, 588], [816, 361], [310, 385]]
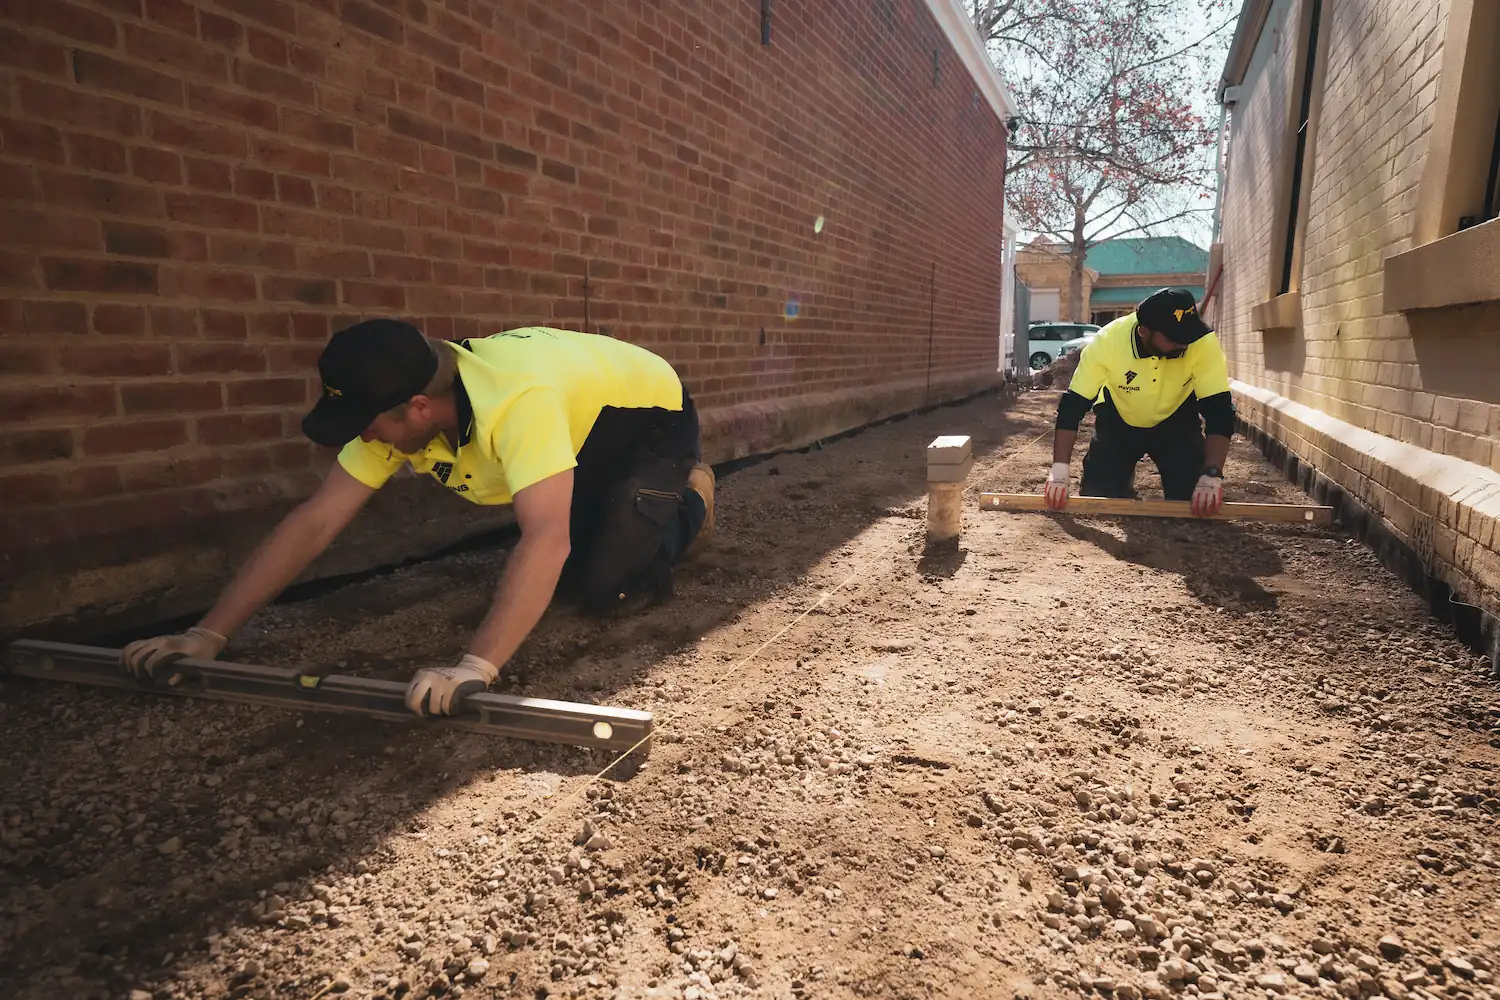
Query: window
[[1293, 237], [1491, 208], [1294, 182], [1282, 310], [1458, 187], [1456, 232]]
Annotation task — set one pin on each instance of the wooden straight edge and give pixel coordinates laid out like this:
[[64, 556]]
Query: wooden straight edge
[[538, 719], [1281, 512]]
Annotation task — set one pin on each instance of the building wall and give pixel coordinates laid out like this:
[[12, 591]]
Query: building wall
[[1008, 296], [1399, 409], [1043, 270], [194, 194], [1192, 279]]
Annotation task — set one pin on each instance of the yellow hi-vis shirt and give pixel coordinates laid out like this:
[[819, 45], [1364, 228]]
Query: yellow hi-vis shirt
[[1147, 390], [532, 394]]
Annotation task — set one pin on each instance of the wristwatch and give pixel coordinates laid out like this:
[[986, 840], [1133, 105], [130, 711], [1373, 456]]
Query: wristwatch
[[1213, 471]]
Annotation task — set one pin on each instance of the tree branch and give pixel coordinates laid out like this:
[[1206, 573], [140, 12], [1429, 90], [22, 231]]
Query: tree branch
[[1180, 52], [1123, 208], [1144, 226]]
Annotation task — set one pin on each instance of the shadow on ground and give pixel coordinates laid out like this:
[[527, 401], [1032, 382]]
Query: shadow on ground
[[942, 561], [133, 826], [1220, 562]]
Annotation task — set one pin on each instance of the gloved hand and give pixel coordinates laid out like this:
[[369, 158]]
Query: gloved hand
[[440, 690], [1056, 490], [1208, 496], [197, 643]]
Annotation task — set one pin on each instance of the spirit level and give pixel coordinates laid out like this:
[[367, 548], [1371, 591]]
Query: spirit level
[[596, 726], [1288, 512]]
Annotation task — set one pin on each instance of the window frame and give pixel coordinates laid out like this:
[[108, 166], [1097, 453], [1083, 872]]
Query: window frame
[[1300, 176], [1456, 230], [1282, 308]]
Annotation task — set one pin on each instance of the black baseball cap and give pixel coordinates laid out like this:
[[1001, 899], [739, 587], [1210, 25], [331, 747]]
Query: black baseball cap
[[366, 369], [1174, 312]]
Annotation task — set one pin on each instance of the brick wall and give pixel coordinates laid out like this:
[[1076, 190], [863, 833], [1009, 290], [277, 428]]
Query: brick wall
[[1401, 413], [195, 194]]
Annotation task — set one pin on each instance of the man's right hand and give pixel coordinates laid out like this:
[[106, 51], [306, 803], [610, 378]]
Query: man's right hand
[[1056, 490], [197, 643]]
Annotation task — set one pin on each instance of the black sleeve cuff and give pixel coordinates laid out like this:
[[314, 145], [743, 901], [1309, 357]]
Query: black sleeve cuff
[[1071, 410], [1218, 414]]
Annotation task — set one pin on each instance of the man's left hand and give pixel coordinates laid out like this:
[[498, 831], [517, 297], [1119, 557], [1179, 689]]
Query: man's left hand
[[440, 690], [1208, 497]]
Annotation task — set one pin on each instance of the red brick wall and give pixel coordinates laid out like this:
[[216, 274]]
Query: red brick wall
[[193, 195]]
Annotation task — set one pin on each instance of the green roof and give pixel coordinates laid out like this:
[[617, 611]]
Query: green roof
[[1132, 295], [1147, 255]]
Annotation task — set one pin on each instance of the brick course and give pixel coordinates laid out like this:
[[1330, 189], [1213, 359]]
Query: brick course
[[195, 194]]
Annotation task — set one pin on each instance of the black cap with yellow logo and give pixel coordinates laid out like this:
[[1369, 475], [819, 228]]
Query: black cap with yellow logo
[[367, 369], [1173, 312]]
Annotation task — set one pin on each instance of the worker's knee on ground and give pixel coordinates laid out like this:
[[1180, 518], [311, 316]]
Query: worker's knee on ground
[[626, 556], [1106, 475], [604, 591]]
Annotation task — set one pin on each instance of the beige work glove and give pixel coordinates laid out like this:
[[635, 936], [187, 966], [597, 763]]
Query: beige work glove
[[440, 690], [1056, 489], [197, 643], [1208, 496]]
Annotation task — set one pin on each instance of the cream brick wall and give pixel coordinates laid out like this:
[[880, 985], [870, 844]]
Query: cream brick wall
[[1431, 382]]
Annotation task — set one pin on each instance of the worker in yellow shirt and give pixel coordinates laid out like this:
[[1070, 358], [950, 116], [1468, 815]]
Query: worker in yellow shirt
[[1149, 377], [593, 440]]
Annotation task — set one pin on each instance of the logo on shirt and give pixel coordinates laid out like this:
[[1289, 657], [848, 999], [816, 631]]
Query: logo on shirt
[[1129, 377], [442, 470]]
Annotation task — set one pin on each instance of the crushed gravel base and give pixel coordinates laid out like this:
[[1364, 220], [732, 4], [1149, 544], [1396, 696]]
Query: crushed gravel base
[[1124, 757]]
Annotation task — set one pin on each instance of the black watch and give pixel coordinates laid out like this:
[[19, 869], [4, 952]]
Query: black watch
[[1214, 471]]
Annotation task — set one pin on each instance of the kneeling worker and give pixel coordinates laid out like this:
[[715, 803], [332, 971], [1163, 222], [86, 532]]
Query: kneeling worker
[[1149, 377], [593, 440]]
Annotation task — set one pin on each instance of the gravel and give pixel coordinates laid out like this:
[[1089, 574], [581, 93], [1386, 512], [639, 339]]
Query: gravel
[[1129, 760]]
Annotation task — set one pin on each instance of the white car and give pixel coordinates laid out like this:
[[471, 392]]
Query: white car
[[1076, 344], [1046, 341]]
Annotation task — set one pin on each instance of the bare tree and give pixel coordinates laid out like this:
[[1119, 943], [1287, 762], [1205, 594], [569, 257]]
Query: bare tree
[[1108, 143]]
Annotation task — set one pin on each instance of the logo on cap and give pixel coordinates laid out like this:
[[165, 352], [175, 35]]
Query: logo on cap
[[1179, 313], [331, 390]]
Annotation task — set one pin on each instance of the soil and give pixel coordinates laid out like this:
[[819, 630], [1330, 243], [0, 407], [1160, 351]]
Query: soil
[[1122, 757]]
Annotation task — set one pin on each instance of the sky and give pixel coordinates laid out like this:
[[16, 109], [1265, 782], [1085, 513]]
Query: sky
[[1205, 64]]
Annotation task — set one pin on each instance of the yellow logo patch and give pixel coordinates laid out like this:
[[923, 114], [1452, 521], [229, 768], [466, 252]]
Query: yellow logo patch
[[331, 390], [1181, 313]]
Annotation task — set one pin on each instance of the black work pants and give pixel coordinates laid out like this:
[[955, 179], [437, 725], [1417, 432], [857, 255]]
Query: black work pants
[[1175, 445], [632, 513]]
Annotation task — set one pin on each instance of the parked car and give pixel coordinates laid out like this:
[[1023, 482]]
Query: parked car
[[1046, 340], [1077, 343]]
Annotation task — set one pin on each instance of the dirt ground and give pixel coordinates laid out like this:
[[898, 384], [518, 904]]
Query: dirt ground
[[1129, 758]]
